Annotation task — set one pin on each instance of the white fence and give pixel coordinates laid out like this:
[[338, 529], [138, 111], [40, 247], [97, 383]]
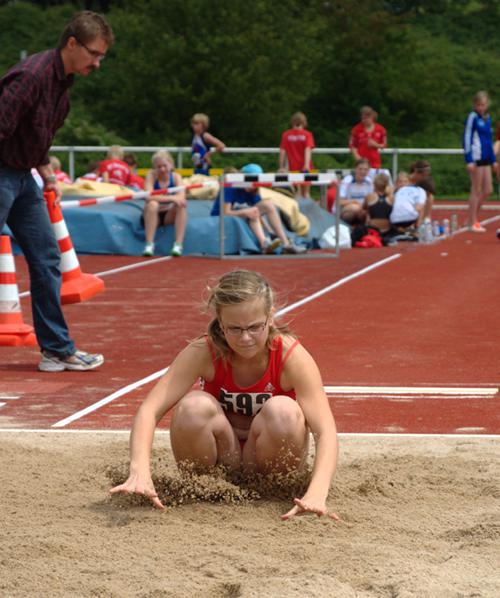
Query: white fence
[[179, 152]]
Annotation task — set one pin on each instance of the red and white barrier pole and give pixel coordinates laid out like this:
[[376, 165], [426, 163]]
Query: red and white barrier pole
[[76, 286], [93, 201]]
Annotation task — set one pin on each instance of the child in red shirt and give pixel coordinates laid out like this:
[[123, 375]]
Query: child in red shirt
[[296, 147], [114, 170]]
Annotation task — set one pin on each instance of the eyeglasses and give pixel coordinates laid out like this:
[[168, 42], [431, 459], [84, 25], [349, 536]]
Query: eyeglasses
[[94, 53], [253, 330]]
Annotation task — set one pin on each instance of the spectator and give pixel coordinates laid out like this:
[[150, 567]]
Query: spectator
[[352, 193], [368, 138], [135, 181], [296, 148], [378, 204], [413, 202], [160, 210], [92, 173], [114, 170], [248, 204], [34, 103], [61, 176], [203, 144], [401, 180], [479, 157]]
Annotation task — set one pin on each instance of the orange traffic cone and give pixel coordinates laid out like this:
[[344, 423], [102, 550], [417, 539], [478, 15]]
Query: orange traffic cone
[[13, 331], [76, 286]]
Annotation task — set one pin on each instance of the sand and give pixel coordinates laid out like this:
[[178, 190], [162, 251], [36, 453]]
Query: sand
[[420, 518]]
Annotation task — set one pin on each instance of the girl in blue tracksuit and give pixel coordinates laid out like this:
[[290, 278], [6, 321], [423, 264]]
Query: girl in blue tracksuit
[[479, 157]]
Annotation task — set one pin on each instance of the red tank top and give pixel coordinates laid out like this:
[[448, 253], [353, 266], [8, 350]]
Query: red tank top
[[248, 400]]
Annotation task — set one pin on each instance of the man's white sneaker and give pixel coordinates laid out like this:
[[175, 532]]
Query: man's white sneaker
[[79, 361]]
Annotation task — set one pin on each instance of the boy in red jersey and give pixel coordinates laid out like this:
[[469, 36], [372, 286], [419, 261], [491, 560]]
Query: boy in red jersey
[[368, 138], [261, 395], [296, 148]]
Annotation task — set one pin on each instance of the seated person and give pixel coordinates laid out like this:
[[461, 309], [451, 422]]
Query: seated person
[[135, 181], [160, 210], [402, 179], [61, 176], [420, 174], [114, 170], [408, 209], [378, 204], [352, 193], [92, 173], [248, 204]]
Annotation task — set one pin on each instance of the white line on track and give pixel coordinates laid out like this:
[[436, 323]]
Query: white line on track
[[134, 385], [119, 393], [413, 390], [121, 269]]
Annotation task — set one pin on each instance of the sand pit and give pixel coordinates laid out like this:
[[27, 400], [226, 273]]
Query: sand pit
[[420, 518]]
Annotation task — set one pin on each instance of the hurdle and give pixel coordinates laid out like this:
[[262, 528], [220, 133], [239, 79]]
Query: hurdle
[[270, 179]]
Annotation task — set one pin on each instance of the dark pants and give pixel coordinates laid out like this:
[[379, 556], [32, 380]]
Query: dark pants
[[23, 208]]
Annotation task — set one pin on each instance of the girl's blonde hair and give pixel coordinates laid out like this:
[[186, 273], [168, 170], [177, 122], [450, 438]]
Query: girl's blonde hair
[[233, 288], [115, 152], [162, 155], [201, 118], [299, 118], [481, 96], [381, 181]]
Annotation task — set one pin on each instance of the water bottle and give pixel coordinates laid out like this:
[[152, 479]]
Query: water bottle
[[454, 223], [446, 227], [422, 237], [428, 236], [436, 231]]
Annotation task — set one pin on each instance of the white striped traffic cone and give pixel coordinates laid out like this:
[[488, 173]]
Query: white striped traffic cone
[[76, 286], [13, 331]]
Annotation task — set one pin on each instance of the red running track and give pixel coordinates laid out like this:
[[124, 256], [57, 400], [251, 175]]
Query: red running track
[[426, 319]]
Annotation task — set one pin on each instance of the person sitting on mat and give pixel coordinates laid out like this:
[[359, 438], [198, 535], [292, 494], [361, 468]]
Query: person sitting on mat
[[160, 210], [378, 205], [248, 203], [261, 394]]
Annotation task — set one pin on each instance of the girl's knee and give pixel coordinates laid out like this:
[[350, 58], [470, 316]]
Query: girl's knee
[[284, 412], [196, 408]]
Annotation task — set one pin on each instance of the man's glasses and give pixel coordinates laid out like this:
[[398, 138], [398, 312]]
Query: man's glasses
[[94, 53], [253, 330]]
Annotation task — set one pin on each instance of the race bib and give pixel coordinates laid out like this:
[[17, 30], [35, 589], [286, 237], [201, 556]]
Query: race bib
[[246, 403]]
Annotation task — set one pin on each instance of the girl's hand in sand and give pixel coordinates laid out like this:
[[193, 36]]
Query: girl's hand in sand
[[136, 484], [304, 506]]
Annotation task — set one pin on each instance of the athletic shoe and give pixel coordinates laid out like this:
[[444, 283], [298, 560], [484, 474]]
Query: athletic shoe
[[296, 249], [176, 250], [477, 228], [498, 233], [79, 361], [270, 246], [149, 250]]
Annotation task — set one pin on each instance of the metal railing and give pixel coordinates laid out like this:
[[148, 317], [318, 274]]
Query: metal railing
[[179, 152]]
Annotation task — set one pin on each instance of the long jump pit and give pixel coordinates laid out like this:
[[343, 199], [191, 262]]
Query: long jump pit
[[419, 517]]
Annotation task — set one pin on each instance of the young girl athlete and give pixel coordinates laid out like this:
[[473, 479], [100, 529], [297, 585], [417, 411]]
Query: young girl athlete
[[261, 395]]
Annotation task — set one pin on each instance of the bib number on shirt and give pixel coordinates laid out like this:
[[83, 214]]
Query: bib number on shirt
[[245, 403]]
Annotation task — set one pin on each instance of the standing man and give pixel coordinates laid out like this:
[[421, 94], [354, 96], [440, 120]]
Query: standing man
[[34, 101]]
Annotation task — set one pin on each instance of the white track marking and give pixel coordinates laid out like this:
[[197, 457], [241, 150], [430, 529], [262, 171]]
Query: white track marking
[[122, 391], [412, 391], [339, 283], [120, 269], [151, 377]]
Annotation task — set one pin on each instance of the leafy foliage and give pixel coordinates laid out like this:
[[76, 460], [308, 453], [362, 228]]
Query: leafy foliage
[[250, 65]]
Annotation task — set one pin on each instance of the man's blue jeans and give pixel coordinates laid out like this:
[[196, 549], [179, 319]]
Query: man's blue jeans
[[23, 208]]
